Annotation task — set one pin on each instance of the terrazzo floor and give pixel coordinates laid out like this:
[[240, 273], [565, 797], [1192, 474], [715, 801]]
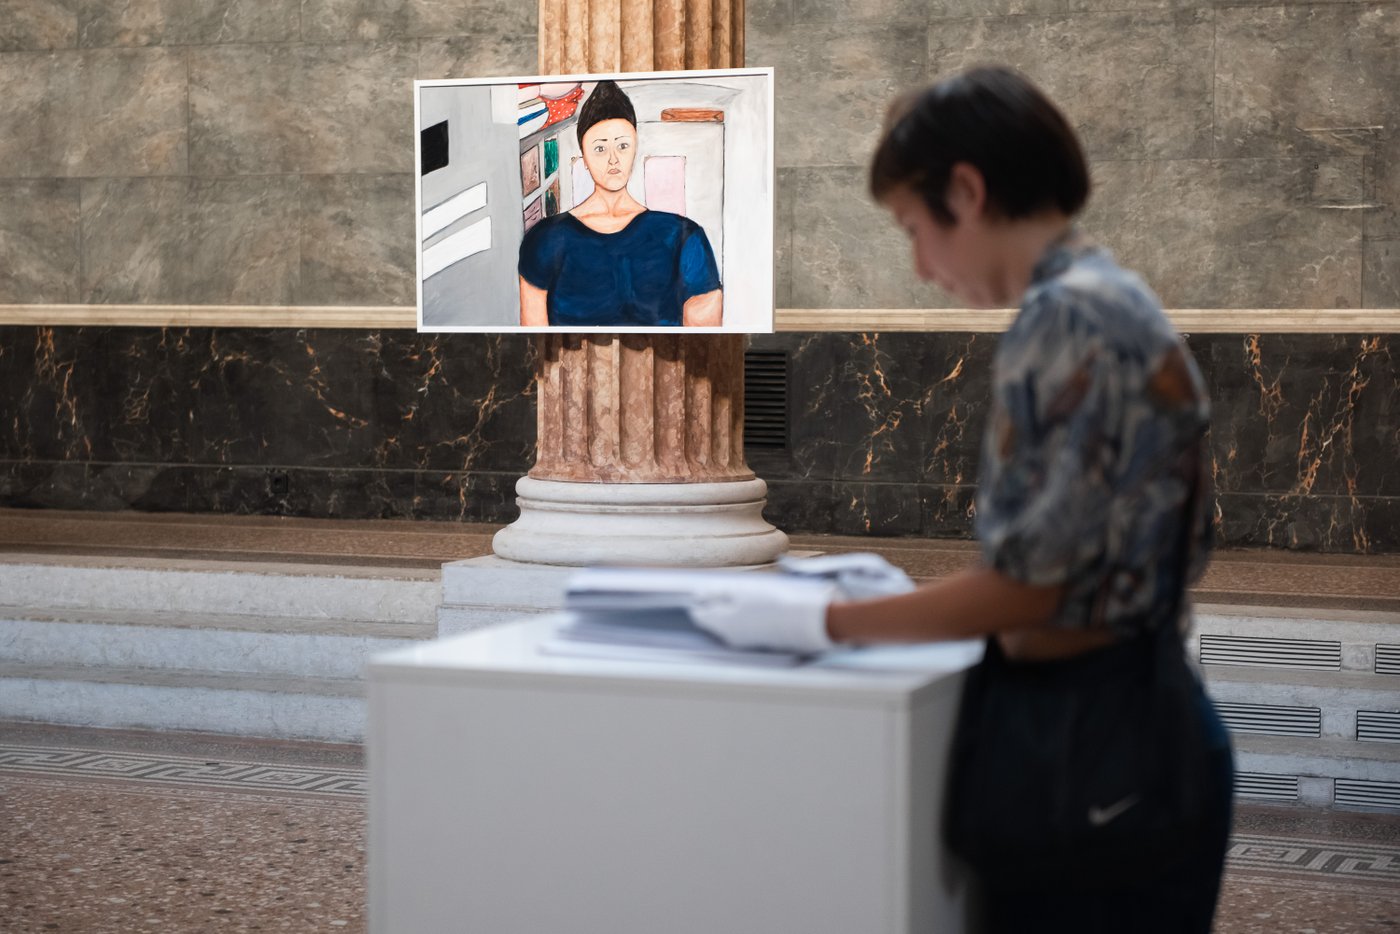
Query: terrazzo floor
[[119, 831]]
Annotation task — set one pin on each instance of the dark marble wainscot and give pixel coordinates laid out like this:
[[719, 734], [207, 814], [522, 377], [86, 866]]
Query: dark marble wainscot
[[884, 429], [884, 432], [1306, 438], [329, 423]]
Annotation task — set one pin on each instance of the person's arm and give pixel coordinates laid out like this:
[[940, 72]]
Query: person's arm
[[704, 311], [972, 603], [534, 306]]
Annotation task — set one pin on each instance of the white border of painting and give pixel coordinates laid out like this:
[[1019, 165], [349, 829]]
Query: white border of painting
[[418, 85]]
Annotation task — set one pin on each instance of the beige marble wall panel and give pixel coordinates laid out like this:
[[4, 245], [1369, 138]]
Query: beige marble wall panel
[[305, 108], [187, 22], [1236, 233], [846, 252], [357, 240], [336, 20], [1306, 79], [244, 242], [135, 243], [886, 12], [1103, 6], [478, 56], [29, 25], [1380, 285], [783, 225], [103, 24], [38, 113], [833, 84], [767, 13], [975, 9], [132, 113], [1382, 194], [1135, 85], [40, 241], [97, 112], [972, 9], [969, 9]]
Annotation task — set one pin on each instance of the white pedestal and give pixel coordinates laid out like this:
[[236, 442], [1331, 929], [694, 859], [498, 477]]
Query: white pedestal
[[518, 793]]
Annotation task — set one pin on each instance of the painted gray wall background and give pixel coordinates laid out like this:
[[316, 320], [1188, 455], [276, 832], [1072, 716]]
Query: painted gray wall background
[[242, 152], [479, 151]]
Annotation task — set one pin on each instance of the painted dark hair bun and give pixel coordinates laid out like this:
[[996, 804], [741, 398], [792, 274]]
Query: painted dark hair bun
[[607, 102]]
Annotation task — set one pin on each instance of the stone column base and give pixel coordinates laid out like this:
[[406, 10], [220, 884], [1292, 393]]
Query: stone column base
[[657, 524]]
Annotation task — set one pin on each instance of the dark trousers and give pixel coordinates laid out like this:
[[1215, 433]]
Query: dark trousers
[[1180, 900]]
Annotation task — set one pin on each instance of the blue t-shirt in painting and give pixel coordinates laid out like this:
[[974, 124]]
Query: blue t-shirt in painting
[[641, 276]]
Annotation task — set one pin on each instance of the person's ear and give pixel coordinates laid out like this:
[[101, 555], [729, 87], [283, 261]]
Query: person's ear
[[967, 191]]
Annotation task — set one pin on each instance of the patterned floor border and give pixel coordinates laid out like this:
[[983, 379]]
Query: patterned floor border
[[14, 783], [187, 771], [1343, 860], [1271, 857]]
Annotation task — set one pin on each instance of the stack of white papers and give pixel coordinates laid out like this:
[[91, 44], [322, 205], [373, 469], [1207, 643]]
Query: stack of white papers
[[644, 614]]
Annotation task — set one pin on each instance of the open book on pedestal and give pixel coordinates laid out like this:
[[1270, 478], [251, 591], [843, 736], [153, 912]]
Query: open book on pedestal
[[644, 614]]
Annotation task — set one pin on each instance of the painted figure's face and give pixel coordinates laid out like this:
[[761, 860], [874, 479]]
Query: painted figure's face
[[608, 150]]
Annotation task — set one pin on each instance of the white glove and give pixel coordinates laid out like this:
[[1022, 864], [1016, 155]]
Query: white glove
[[859, 576], [768, 613]]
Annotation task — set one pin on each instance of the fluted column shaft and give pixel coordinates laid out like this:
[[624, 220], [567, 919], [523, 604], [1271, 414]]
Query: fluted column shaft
[[647, 408], [640, 35]]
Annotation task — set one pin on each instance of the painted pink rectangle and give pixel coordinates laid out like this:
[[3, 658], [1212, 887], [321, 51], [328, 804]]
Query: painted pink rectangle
[[665, 183]]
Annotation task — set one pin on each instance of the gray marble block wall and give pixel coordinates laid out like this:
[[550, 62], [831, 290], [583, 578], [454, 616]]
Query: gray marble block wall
[[1245, 154], [211, 152]]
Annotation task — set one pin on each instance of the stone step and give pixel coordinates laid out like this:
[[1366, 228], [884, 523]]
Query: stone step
[[1289, 638], [214, 642], [249, 648], [268, 705], [1305, 672], [174, 585], [1302, 703], [1328, 772], [1303, 680]]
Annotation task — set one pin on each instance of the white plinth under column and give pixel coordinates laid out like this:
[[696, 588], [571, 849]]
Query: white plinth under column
[[666, 524]]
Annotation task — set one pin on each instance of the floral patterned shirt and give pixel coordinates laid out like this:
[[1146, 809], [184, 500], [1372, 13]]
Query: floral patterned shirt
[[1094, 447]]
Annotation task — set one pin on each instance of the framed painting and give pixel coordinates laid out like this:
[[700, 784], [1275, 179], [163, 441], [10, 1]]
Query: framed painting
[[611, 203]]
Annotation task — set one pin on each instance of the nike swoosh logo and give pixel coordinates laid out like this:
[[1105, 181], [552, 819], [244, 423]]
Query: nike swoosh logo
[[1099, 816]]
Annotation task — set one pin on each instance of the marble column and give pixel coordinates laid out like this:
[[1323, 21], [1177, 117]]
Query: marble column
[[641, 437]]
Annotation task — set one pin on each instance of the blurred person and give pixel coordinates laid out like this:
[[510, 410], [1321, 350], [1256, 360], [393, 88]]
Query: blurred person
[[1090, 777]]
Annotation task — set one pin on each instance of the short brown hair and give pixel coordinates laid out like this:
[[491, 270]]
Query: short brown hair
[[995, 119]]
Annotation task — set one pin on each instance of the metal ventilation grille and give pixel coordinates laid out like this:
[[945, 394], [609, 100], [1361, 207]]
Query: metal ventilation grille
[[1259, 785], [1388, 659], [765, 399], [1360, 793], [1378, 726], [1271, 653], [1272, 721]]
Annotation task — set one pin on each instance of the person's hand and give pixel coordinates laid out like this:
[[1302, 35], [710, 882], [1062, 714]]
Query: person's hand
[[770, 614], [858, 575]]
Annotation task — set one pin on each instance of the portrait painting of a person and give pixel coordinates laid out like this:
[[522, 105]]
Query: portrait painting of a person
[[611, 261]]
